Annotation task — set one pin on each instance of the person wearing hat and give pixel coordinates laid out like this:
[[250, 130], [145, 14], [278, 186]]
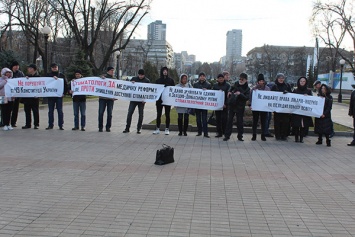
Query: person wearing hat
[[201, 114], [79, 105], [31, 103], [56, 102], [261, 85], [316, 85], [106, 102], [281, 120], [166, 81], [241, 92], [221, 115], [133, 104], [17, 73], [352, 114]]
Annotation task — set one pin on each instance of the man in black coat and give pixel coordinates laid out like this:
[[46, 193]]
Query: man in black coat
[[16, 73], [352, 114], [221, 115]]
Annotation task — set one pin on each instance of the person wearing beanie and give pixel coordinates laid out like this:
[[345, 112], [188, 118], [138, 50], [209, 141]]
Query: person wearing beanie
[[201, 114], [6, 109], [241, 92], [261, 85], [56, 102], [106, 102], [221, 115], [183, 115], [79, 105], [17, 73], [281, 120], [133, 104], [31, 103], [166, 81], [301, 123]]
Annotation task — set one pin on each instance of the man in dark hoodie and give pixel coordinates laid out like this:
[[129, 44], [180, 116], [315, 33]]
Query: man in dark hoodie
[[221, 115], [17, 73], [32, 103], [241, 92], [201, 114], [56, 102], [166, 81]]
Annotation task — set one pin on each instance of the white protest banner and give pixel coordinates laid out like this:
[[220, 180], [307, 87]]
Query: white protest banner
[[271, 101], [193, 98], [34, 87], [117, 89]]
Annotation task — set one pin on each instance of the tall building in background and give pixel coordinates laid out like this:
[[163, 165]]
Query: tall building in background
[[234, 45], [156, 31]]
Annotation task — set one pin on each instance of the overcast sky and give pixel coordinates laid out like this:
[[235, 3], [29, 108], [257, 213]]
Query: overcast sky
[[200, 26]]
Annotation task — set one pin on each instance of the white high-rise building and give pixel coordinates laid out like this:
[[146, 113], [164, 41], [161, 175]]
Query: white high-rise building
[[156, 31], [234, 45]]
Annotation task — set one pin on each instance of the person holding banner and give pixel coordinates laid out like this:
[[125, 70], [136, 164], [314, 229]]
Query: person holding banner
[[56, 102], [79, 104], [183, 115], [201, 114], [221, 115], [166, 81], [301, 123], [281, 120], [17, 73], [133, 104], [352, 113], [6, 108], [261, 85], [106, 102], [31, 103], [323, 125], [241, 92]]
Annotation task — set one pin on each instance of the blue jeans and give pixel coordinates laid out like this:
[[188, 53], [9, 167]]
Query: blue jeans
[[201, 120], [82, 107], [55, 102], [131, 108], [103, 103], [267, 123]]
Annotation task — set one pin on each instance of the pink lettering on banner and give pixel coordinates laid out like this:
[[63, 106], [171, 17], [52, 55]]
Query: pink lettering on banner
[[20, 83], [88, 88]]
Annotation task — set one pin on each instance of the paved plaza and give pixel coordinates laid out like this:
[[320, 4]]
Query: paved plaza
[[74, 183]]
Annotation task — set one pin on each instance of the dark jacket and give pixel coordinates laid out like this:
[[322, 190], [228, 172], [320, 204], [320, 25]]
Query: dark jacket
[[242, 98], [164, 80], [324, 125], [77, 98], [281, 87], [144, 80], [18, 74], [60, 75], [352, 104], [30, 100], [296, 119], [225, 87], [202, 85]]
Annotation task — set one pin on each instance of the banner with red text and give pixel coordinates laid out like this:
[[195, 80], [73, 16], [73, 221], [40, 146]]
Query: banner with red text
[[270, 101], [117, 89], [34, 87], [193, 98]]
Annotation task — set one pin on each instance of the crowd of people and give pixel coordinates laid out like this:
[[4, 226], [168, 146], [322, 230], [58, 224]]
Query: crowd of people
[[237, 97]]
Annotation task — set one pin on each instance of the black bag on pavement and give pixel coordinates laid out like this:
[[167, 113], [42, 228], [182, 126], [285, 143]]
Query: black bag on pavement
[[212, 119], [165, 155]]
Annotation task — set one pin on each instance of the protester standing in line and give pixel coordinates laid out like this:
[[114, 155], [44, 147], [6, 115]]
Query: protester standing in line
[[183, 115], [133, 104], [301, 123], [226, 76], [17, 73], [261, 85], [201, 114], [222, 115], [106, 102], [323, 124], [31, 103], [79, 105], [268, 118], [166, 81], [352, 114], [281, 120], [6, 109], [56, 102], [241, 92]]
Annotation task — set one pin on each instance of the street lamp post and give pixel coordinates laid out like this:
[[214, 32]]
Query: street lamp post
[[118, 65], [46, 31], [340, 96]]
